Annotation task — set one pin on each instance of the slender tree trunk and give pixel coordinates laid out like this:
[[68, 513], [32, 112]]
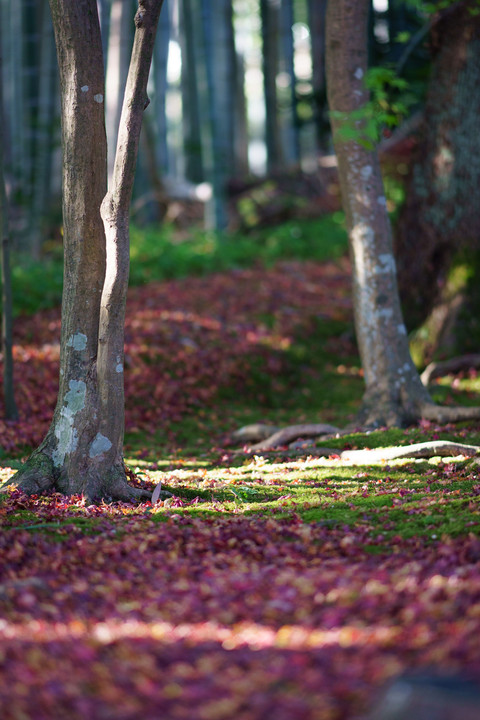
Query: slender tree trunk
[[115, 215], [316, 18], [270, 30], [290, 120], [394, 393], [219, 52], [82, 452], [440, 214], [191, 113], [240, 121], [43, 134], [160, 61], [17, 160], [11, 412], [119, 49], [103, 7]]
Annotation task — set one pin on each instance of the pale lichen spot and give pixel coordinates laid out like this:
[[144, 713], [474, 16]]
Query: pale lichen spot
[[386, 264], [84, 88], [366, 172], [65, 432], [119, 368], [401, 329], [75, 397], [385, 313], [100, 445], [77, 341], [382, 200], [358, 73], [98, 98]]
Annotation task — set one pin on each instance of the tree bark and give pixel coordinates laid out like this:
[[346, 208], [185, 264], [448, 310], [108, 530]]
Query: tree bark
[[82, 452], [270, 31], [440, 214], [291, 133], [11, 412], [119, 49], [191, 105], [219, 56], [316, 20], [394, 393], [115, 215]]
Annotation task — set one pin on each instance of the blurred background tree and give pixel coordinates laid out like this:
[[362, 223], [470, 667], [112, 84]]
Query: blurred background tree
[[237, 136]]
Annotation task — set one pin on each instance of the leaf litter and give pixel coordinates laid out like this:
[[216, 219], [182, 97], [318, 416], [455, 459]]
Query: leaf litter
[[250, 609]]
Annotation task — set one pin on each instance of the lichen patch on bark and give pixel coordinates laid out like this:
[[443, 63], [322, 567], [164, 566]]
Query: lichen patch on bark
[[65, 432], [77, 341], [100, 445]]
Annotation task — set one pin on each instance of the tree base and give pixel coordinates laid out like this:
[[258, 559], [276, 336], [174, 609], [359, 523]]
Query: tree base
[[382, 409], [39, 475]]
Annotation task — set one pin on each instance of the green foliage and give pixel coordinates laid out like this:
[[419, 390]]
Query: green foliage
[[36, 285], [158, 254], [430, 8], [390, 99]]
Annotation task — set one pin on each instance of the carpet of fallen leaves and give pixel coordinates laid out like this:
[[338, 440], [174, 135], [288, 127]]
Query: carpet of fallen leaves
[[183, 341], [120, 613], [224, 617]]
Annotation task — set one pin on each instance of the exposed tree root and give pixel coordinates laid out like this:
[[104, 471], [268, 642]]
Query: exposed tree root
[[435, 448], [454, 365], [293, 432], [255, 432], [369, 418], [417, 450], [454, 414]]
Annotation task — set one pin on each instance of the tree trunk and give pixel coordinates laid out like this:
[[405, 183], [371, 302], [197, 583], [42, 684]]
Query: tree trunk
[[42, 140], [440, 215], [160, 124], [270, 31], [219, 55], [11, 412], [191, 113], [394, 393], [291, 132], [82, 452], [316, 20], [119, 49]]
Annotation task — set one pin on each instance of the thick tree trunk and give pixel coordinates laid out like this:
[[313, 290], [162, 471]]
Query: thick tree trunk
[[62, 459], [82, 452], [441, 209], [394, 393]]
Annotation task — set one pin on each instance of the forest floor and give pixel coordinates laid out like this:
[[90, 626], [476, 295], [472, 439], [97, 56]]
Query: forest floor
[[268, 585]]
